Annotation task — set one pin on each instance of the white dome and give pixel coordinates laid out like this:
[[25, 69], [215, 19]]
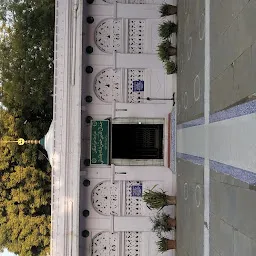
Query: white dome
[[49, 143]]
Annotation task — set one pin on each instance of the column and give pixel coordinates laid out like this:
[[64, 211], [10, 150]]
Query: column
[[143, 173], [101, 60], [138, 61], [130, 11], [98, 223], [99, 172], [126, 60], [135, 11], [98, 109], [135, 223], [120, 224], [149, 110]]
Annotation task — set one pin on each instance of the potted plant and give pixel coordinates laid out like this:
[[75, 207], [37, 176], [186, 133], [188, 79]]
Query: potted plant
[[167, 9], [157, 199], [165, 50], [163, 223], [167, 28], [170, 67], [165, 244]]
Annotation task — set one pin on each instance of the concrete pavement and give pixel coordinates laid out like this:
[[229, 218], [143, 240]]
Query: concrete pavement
[[228, 141]]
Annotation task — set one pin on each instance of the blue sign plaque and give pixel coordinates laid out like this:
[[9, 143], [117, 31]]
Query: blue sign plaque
[[138, 86], [137, 191]]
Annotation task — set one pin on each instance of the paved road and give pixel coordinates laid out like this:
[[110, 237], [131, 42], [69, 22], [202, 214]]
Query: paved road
[[216, 141]]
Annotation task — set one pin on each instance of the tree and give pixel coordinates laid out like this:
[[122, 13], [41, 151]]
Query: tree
[[25, 195], [26, 65], [26, 79]]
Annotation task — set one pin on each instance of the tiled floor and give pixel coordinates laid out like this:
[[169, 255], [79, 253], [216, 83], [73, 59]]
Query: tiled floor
[[232, 225], [228, 142], [190, 208]]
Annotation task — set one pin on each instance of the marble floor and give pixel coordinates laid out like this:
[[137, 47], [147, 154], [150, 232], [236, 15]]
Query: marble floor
[[216, 128]]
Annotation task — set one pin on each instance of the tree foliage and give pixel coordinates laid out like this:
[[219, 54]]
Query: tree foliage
[[24, 194], [26, 63], [26, 77]]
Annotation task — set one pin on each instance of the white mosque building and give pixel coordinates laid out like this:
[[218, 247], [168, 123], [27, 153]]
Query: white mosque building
[[107, 142]]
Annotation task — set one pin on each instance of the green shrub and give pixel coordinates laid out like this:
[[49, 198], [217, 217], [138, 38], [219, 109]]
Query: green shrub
[[167, 9], [165, 50], [165, 244], [170, 67], [166, 29], [155, 199], [160, 223], [162, 244]]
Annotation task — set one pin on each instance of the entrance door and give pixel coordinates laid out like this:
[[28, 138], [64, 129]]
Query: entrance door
[[137, 141]]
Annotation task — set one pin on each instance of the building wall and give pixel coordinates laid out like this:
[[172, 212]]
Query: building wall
[[124, 39], [115, 211]]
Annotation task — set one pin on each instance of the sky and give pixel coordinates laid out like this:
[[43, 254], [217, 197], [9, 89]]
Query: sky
[[6, 253]]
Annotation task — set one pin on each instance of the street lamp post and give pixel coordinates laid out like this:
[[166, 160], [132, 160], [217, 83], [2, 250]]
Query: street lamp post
[[150, 99]]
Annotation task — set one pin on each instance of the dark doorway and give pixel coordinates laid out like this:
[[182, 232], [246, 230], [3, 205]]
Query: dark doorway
[[137, 141]]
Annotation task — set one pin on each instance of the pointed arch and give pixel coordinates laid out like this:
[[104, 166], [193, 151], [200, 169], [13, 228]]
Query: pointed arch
[[106, 198], [107, 85], [105, 244], [108, 35]]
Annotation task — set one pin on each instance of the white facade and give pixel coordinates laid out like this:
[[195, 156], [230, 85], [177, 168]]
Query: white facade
[[114, 211], [102, 59]]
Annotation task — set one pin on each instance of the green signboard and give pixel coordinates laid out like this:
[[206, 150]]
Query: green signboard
[[100, 142]]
